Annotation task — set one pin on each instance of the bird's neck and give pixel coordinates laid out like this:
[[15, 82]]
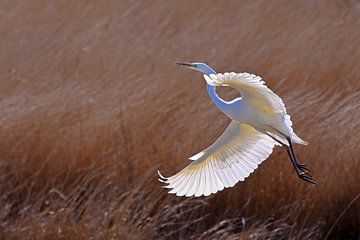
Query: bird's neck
[[220, 103]]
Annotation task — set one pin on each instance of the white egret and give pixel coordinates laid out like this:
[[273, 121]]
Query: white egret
[[259, 122]]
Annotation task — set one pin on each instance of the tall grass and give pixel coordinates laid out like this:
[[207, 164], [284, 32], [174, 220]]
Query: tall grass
[[91, 106]]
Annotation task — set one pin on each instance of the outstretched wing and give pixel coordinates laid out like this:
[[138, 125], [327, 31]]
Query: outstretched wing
[[252, 89], [230, 159]]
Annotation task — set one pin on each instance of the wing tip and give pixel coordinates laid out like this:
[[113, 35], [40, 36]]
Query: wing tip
[[162, 179], [197, 156]]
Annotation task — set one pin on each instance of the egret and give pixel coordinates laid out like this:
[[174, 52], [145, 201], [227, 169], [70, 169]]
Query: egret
[[259, 121]]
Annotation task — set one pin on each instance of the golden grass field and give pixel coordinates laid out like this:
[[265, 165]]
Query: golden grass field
[[92, 105]]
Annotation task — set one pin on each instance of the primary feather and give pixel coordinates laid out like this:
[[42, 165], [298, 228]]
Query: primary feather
[[230, 159]]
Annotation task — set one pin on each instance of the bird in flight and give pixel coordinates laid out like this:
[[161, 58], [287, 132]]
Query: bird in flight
[[258, 122]]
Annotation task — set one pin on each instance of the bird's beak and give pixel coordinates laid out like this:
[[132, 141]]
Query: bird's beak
[[186, 64]]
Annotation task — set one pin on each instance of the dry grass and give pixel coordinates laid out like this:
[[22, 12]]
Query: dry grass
[[91, 106]]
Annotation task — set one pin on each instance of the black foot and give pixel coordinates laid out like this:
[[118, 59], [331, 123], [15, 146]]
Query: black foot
[[306, 177], [302, 167]]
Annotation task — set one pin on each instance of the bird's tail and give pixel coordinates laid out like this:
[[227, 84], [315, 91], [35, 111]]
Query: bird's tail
[[296, 139]]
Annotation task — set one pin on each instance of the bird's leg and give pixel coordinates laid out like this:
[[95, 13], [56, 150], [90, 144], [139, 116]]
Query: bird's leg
[[301, 166], [294, 163], [292, 160], [303, 175]]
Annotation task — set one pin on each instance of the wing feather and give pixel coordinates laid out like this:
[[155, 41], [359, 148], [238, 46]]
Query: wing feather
[[254, 92], [252, 89], [236, 154]]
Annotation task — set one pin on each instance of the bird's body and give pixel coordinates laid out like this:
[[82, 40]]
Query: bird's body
[[259, 122]]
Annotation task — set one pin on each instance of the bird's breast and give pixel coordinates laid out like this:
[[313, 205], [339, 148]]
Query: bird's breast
[[239, 111]]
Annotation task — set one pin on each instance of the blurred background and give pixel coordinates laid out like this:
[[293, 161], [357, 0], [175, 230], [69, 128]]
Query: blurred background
[[91, 105]]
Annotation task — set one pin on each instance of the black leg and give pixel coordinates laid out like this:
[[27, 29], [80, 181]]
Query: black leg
[[294, 163], [292, 160], [299, 165], [303, 173]]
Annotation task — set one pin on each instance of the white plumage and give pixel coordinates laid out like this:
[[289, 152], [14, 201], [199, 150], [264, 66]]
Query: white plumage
[[252, 88], [266, 104], [236, 154], [259, 122]]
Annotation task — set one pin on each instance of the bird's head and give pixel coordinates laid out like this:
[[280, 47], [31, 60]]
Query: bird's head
[[201, 67]]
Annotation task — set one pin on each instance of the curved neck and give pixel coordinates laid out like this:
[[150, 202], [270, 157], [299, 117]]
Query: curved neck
[[220, 103]]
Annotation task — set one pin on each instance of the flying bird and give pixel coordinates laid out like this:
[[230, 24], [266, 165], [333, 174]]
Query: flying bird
[[259, 121]]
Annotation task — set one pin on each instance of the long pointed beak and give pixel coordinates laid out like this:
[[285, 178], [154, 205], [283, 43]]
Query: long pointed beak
[[186, 64]]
